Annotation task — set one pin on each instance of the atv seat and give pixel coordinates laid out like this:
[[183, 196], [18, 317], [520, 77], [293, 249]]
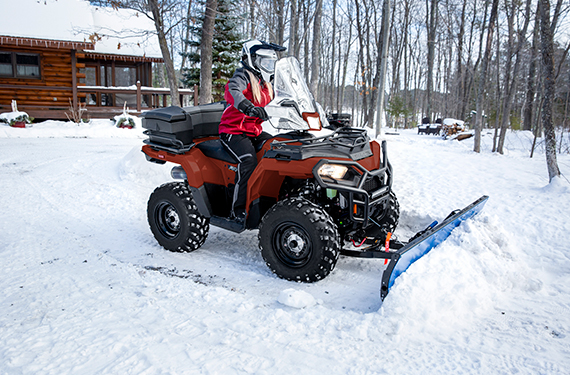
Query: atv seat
[[214, 149]]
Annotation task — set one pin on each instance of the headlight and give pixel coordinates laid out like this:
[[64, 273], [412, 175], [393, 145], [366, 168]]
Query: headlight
[[334, 171]]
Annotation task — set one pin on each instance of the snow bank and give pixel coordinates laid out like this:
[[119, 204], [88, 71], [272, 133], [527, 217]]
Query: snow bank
[[68, 129], [86, 289]]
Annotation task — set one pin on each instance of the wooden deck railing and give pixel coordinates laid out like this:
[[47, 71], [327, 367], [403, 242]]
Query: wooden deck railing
[[139, 98], [155, 97]]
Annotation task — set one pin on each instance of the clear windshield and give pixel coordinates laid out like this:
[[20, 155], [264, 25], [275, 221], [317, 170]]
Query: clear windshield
[[292, 97]]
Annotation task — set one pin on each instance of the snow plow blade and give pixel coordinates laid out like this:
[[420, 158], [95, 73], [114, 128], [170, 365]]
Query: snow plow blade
[[402, 255], [402, 258]]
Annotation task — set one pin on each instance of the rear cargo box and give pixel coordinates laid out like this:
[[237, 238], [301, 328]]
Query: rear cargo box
[[175, 129]]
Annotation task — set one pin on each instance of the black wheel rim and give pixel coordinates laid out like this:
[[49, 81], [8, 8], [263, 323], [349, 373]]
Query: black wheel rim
[[167, 219], [292, 245]]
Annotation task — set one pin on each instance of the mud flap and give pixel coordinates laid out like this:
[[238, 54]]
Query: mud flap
[[423, 242]]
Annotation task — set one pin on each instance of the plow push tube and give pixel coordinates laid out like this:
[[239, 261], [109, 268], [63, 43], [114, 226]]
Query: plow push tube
[[402, 258]]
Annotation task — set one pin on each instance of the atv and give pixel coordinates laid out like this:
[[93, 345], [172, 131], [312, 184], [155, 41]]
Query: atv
[[312, 197]]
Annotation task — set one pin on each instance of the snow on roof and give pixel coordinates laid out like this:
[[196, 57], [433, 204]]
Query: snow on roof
[[76, 20]]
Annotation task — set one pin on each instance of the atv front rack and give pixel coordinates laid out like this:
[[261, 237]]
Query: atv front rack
[[402, 255], [344, 142]]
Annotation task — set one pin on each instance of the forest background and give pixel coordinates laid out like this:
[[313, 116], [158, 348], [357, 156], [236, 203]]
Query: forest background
[[500, 64]]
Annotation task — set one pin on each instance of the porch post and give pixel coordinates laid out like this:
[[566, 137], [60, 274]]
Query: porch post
[[195, 94], [139, 96], [74, 79]]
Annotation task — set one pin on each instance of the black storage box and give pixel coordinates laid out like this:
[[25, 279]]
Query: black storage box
[[175, 127], [206, 118]]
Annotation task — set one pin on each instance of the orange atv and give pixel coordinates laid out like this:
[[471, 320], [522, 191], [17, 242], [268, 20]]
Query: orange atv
[[309, 196]]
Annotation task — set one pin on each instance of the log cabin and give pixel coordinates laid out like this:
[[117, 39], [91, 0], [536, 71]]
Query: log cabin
[[47, 77], [51, 67]]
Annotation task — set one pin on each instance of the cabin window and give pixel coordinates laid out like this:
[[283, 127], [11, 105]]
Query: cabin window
[[28, 65], [19, 65], [125, 76], [6, 64]]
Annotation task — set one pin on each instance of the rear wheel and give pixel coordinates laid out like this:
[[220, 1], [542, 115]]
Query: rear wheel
[[299, 240], [174, 218]]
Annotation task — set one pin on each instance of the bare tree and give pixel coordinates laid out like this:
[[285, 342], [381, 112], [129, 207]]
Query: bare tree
[[547, 47], [165, 17], [531, 81], [431, 24], [511, 83], [206, 51], [315, 49], [483, 77]]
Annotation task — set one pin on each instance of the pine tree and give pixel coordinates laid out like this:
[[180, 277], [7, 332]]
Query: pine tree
[[226, 49]]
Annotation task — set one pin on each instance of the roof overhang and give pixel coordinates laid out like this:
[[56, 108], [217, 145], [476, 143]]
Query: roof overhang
[[128, 58], [44, 43]]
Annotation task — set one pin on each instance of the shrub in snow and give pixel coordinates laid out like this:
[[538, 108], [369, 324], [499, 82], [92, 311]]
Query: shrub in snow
[[124, 120], [16, 119]]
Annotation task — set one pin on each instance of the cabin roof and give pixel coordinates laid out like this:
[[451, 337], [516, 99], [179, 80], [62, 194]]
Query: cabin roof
[[6, 40], [76, 24]]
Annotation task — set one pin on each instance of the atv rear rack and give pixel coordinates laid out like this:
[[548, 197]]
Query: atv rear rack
[[402, 255]]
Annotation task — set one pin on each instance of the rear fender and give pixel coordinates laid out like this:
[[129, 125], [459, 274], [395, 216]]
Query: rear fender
[[199, 168]]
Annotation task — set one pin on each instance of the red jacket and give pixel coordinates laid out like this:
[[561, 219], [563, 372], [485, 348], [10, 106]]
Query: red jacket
[[237, 90]]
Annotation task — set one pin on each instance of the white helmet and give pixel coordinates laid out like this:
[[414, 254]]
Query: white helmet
[[260, 57]]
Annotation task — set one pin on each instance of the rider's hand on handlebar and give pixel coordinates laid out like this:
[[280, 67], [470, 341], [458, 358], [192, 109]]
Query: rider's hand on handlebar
[[258, 112]]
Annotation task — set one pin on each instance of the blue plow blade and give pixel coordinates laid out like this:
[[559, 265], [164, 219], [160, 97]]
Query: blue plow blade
[[422, 243]]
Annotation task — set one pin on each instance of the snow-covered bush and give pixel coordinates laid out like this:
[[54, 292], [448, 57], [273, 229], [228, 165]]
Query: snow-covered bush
[[124, 120], [16, 119]]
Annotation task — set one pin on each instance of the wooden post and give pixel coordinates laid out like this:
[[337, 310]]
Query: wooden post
[[139, 96], [195, 94], [74, 79]]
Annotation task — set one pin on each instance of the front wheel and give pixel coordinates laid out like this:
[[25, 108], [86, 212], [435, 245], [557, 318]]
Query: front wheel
[[299, 241], [385, 218], [174, 218]]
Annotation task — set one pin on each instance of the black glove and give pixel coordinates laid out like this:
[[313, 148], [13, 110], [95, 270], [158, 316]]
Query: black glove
[[249, 109], [258, 112]]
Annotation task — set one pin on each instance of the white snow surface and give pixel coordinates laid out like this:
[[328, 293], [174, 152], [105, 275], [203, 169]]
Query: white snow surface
[[86, 289]]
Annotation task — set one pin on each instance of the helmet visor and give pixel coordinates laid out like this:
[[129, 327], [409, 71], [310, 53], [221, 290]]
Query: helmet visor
[[266, 63]]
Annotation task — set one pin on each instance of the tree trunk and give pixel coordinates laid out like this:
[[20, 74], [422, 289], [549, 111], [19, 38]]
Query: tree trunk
[[385, 37], [431, 24], [547, 46], [315, 49], [333, 56], [186, 35], [512, 86], [294, 29], [280, 21], [169, 64], [206, 52], [531, 83], [483, 77]]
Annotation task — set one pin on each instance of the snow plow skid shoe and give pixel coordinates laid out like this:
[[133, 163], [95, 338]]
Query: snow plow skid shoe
[[402, 255]]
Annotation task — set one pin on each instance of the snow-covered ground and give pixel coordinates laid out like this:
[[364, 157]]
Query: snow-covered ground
[[86, 289]]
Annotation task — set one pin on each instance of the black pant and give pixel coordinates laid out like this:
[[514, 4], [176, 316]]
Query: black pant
[[243, 149]]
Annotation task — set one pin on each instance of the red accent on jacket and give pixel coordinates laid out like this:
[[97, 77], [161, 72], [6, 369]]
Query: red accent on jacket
[[235, 122]]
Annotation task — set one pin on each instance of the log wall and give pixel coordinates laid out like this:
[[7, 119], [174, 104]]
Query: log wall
[[52, 90]]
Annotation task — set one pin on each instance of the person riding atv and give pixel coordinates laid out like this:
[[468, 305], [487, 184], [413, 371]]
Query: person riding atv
[[247, 92], [310, 195]]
